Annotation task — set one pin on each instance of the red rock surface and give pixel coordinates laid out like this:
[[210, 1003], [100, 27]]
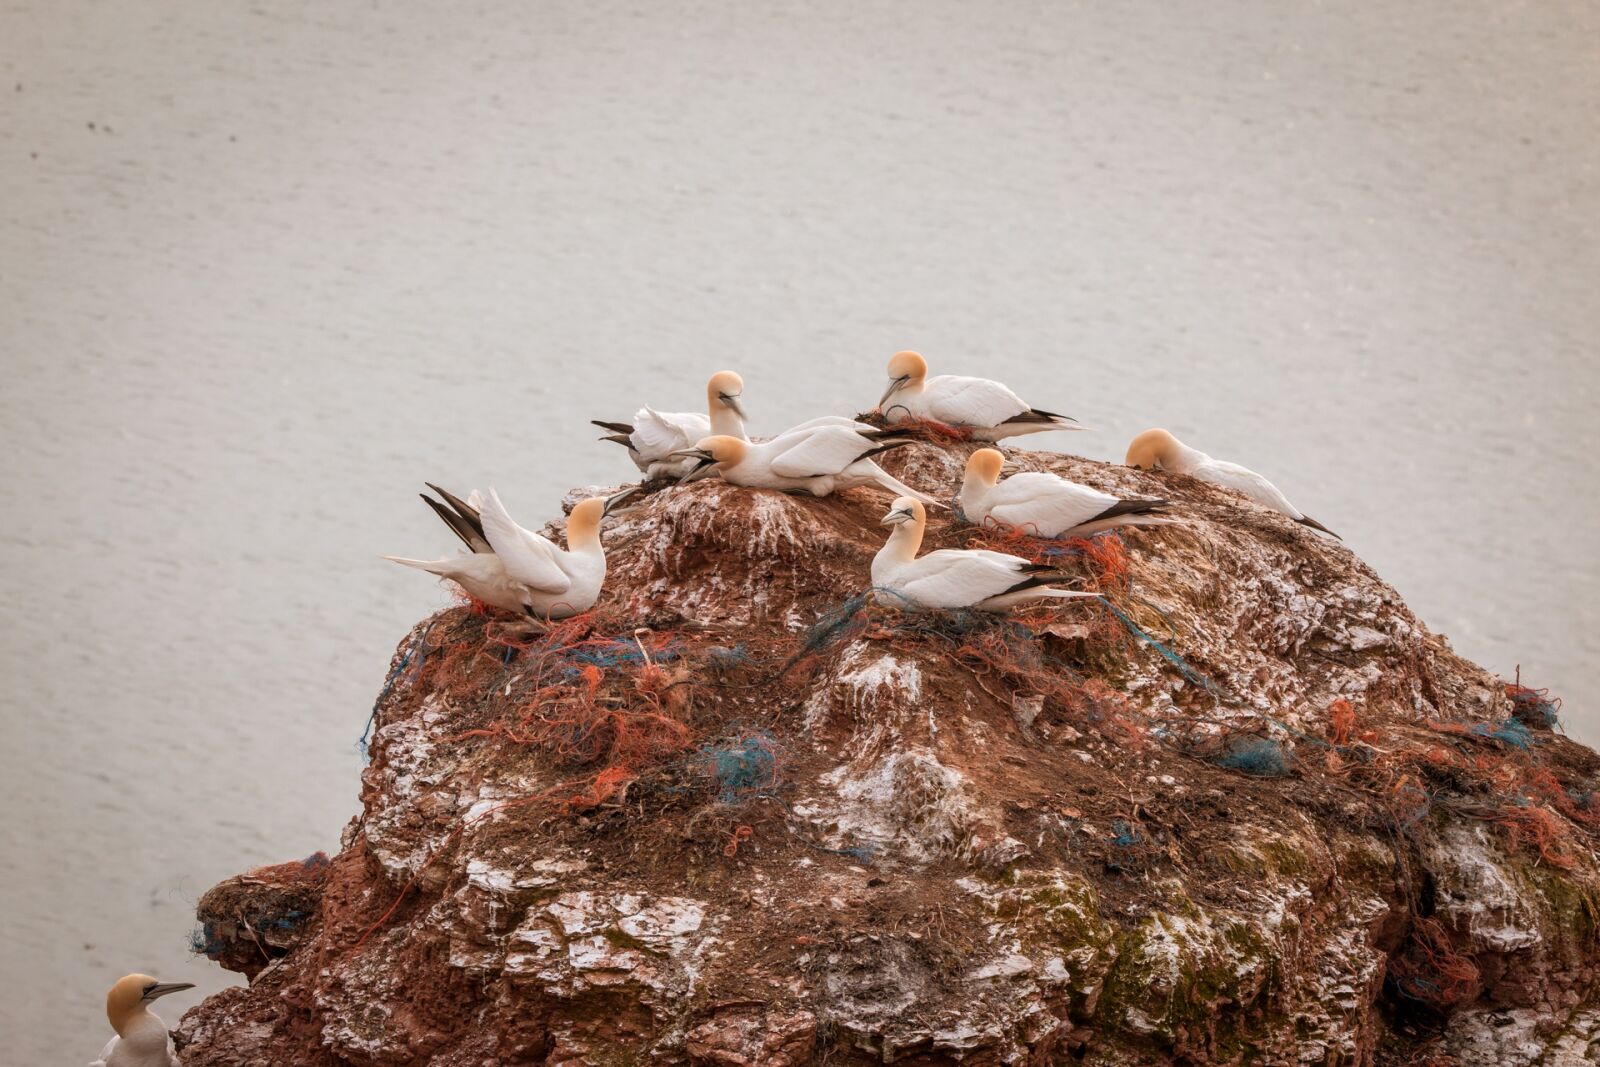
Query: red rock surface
[[973, 842]]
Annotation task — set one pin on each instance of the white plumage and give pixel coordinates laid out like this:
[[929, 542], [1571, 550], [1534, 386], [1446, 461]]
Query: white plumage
[[1158, 449], [954, 578], [817, 461], [518, 570], [654, 436], [142, 1039], [1045, 505], [987, 409]]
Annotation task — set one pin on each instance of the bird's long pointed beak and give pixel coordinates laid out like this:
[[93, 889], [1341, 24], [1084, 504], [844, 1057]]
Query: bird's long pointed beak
[[1010, 466], [704, 469], [616, 501], [894, 385], [895, 518], [732, 400], [164, 988]]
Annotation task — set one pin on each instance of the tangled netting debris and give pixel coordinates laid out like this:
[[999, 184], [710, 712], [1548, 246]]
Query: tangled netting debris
[[611, 706]]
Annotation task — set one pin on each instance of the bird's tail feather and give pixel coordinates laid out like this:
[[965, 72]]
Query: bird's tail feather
[[1094, 526], [1307, 520]]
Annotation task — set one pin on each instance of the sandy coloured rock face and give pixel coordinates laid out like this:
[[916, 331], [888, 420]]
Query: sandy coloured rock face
[[737, 816]]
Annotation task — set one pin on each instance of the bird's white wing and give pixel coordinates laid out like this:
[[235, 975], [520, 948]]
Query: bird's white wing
[[1045, 503], [830, 420], [657, 433], [970, 401], [820, 450], [1248, 482], [528, 558], [954, 578]]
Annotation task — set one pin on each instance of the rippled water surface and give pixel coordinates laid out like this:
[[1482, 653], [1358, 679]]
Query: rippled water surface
[[265, 267]]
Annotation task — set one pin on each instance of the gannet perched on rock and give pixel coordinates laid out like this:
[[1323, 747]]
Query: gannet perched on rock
[[1043, 504], [1158, 449], [517, 570], [955, 577], [142, 1039], [987, 409], [654, 436], [815, 461]]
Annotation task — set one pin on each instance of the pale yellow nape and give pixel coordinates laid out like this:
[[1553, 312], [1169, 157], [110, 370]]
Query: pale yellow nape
[[1152, 448]]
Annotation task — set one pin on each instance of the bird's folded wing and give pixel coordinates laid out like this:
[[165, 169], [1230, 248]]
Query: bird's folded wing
[[1247, 482], [656, 433], [972, 401], [528, 558], [952, 578], [1047, 506], [819, 450], [831, 420]]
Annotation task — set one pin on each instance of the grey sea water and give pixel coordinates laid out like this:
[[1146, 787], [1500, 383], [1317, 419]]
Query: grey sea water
[[265, 267]]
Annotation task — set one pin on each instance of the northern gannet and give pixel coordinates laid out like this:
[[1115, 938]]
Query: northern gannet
[[1158, 449], [517, 570], [1044, 504], [956, 577], [987, 409], [815, 461], [654, 436], [142, 1039]]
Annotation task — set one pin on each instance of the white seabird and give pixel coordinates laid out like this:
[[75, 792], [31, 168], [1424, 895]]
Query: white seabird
[[815, 461], [1045, 505], [517, 570], [142, 1039], [955, 577], [654, 436], [987, 409], [1159, 450]]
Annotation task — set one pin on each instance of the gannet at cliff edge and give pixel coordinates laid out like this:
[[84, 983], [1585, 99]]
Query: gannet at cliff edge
[[142, 1039], [815, 461], [987, 409], [654, 436], [517, 570], [1043, 504], [1158, 449], [955, 577]]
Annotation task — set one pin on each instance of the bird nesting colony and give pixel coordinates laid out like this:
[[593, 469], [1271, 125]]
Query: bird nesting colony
[[1198, 791]]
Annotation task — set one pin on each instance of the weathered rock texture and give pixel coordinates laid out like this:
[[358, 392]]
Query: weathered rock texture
[[933, 839]]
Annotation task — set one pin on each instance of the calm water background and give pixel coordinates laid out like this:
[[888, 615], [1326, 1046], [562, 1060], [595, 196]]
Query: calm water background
[[265, 267]]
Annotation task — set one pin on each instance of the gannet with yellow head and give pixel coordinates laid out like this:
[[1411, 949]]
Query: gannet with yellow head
[[1046, 505], [1158, 450], [142, 1039], [816, 461], [654, 436], [955, 577], [987, 409], [518, 570]]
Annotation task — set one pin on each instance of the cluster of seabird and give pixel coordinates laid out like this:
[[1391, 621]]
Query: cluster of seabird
[[517, 570]]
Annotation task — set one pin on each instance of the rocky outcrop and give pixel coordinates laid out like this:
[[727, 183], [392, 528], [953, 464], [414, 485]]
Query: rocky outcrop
[[1243, 809]]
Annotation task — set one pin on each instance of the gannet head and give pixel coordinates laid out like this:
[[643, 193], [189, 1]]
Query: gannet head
[[985, 465], [133, 994], [715, 451], [904, 368], [904, 509], [1153, 449], [725, 388], [583, 524]]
